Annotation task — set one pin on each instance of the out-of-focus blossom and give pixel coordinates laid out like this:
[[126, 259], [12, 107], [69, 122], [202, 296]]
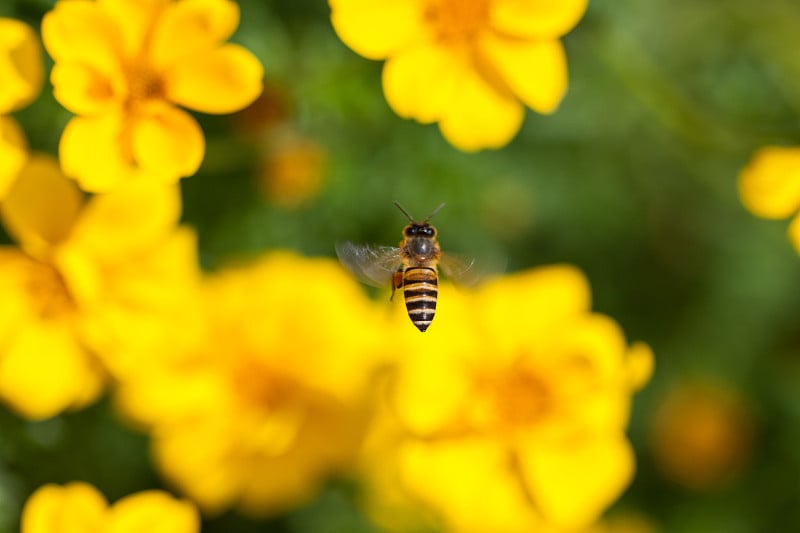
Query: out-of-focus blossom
[[124, 67], [291, 165], [87, 278], [21, 76], [470, 65], [271, 401], [702, 434], [292, 168], [21, 72], [769, 186], [80, 508], [510, 413]]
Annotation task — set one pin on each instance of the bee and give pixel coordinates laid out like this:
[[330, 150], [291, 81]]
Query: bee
[[413, 267]]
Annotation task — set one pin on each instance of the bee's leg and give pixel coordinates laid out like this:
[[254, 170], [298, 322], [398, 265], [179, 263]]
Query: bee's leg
[[397, 282]]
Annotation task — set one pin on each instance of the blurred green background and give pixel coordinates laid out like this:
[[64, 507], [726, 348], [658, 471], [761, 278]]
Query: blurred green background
[[633, 180]]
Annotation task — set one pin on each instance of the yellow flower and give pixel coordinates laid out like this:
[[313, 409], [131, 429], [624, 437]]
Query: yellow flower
[[87, 279], [470, 65], [123, 66], [21, 76], [21, 72], [270, 401], [514, 407], [769, 186], [79, 508]]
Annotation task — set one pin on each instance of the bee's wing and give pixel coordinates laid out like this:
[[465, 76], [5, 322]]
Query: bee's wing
[[467, 271], [374, 265]]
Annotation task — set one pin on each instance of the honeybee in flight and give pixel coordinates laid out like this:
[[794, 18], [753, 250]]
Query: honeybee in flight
[[413, 267]]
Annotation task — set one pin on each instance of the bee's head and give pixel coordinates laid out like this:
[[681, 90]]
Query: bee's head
[[419, 229]]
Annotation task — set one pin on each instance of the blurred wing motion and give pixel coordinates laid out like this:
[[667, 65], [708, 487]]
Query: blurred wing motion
[[373, 265], [466, 271]]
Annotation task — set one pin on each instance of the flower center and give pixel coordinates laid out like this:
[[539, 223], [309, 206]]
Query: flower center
[[513, 399], [48, 291], [457, 20], [520, 399], [271, 407], [144, 84], [260, 387]]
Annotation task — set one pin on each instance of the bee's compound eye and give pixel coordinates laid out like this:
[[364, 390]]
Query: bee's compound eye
[[410, 231], [428, 231]]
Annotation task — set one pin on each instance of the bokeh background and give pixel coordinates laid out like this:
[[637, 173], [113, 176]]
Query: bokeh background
[[633, 180]]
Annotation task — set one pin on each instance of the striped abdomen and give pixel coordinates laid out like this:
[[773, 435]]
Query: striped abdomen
[[420, 287]]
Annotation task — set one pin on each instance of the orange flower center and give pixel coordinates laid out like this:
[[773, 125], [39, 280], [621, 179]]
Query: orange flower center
[[457, 20], [48, 291], [516, 398], [261, 387], [144, 84]]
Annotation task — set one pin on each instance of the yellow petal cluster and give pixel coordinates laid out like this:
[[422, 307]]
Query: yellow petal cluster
[[472, 66], [21, 76], [124, 68], [511, 415], [769, 186], [88, 281], [271, 399], [79, 507]]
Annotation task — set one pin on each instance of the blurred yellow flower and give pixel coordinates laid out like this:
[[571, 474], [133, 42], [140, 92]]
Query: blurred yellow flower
[[80, 508], [122, 67], [470, 65], [87, 278], [769, 186], [702, 434], [514, 408], [21, 71], [270, 402], [21, 76]]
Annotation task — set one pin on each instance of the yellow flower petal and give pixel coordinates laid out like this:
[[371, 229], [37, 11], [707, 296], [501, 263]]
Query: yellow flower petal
[[40, 221], [13, 152], [573, 481], [191, 27], [15, 306], [222, 80], [769, 186], [21, 67], [168, 142], [152, 511], [376, 30], [470, 481], [421, 83], [127, 221], [535, 71], [133, 20], [180, 459], [425, 401], [81, 31], [536, 18], [479, 116], [44, 371], [641, 363], [92, 151], [85, 90], [75, 507], [529, 303]]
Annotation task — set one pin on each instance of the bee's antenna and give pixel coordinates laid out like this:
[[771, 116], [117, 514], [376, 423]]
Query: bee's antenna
[[434, 212], [404, 211]]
